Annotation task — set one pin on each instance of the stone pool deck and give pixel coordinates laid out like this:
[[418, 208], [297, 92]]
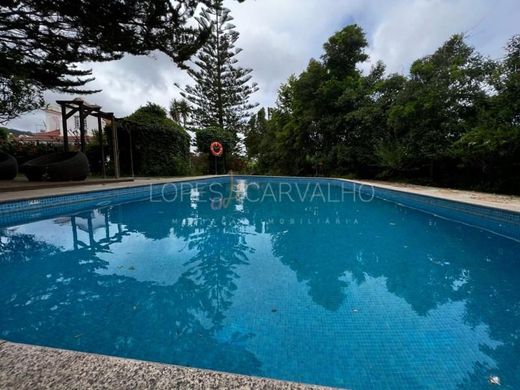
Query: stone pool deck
[[22, 184], [503, 202], [90, 187], [31, 367]]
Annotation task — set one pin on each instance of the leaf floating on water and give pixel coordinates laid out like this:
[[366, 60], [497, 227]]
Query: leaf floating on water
[[494, 380]]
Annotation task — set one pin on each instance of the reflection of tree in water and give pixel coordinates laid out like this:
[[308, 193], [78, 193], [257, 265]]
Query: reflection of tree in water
[[493, 297], [299, 245], [427, 261], [219, 239], [14, 247], [217, 236], [57, 298]]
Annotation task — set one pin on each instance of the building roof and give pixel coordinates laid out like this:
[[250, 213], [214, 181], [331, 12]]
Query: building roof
[[51, 137]]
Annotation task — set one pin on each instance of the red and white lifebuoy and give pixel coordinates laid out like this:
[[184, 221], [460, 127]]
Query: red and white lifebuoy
[[216, 149]]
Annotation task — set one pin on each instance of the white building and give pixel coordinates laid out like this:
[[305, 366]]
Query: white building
[[53, 121]]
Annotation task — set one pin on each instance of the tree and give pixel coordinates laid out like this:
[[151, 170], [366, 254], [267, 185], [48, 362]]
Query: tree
[[454, 121], [441, 101], [16, 97], [493, 144], [315, 131], [160, 146], [344, 50], [279, 148], [220, 95], [180, 111], [42, 41], [256, 130], [4, 134]]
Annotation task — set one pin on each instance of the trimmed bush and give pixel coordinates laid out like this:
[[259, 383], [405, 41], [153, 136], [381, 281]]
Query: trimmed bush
[[204, 138], [161, 147]]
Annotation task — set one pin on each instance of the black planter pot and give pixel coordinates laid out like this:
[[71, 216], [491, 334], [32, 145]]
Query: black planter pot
[[8, 167], [64, 166]]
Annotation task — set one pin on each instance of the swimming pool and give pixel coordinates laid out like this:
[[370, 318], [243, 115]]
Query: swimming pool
[[305, 280]]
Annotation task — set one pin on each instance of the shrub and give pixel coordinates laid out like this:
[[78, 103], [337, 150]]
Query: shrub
[[161, 147], [204, 138], [24, 151]]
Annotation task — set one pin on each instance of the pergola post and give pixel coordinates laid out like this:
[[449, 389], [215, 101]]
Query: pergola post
[[115, 148], [101, 144], [82, 128], [131, 150], [65, 130]]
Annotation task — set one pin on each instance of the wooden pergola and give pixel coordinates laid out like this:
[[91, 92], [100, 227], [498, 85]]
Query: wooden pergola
[[78, 105]]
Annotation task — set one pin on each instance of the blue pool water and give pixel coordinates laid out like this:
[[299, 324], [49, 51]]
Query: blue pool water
[[314, 287]]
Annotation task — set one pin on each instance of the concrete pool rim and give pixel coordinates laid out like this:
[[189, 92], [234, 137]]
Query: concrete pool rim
[[24, 366]]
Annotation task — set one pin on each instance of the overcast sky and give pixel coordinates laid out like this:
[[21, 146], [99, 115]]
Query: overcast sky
[[280, 36]]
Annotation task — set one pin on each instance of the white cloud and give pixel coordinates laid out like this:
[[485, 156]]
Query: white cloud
[[280, 36], [413, 29]]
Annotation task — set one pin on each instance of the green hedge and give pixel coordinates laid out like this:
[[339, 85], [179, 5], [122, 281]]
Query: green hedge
[[24, 152], [204, 138], [161, 147]]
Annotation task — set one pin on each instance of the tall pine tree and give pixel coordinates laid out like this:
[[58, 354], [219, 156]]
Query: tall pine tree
[[221, 92]]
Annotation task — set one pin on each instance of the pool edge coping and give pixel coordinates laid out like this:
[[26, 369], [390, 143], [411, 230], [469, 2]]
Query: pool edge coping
[[409, 191], [33, 194], [9, 197], [24, 366]]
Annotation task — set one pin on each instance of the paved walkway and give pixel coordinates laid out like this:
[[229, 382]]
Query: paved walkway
[[22, 184], [87, 187], [504, 202]]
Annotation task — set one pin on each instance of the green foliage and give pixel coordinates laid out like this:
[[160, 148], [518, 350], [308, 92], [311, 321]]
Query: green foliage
[[151, 115], [255, 131], [482, 144], [493, 145], [220, 95], [203, 140], [344, 50], [17, 96], [93, 153], [391, 155], [180, 111], [453, 121], [43, 41], [160, 146], [4, 134], [441, 100], [24, 151]]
